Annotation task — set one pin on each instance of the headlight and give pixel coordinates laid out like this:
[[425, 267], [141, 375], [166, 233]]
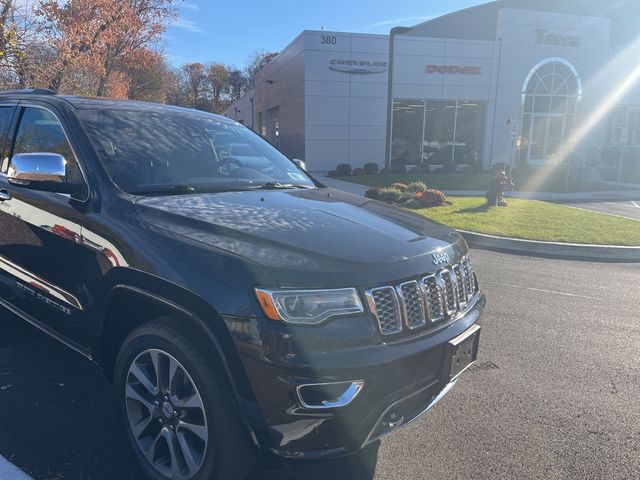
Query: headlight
[[308, 307]]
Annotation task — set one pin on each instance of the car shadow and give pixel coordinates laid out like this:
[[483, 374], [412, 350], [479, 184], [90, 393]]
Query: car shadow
[[361, 466], [58, 418]]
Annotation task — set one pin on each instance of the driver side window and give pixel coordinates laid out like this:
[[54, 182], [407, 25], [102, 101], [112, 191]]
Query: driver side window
[[40, 132]]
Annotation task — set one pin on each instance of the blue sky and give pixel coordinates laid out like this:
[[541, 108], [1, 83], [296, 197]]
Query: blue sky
[[228, 31]]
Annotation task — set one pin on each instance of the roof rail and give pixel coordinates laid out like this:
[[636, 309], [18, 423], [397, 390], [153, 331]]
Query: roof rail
[[29, 91]]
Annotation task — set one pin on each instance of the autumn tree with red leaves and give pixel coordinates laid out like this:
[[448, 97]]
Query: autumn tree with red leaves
[[104, 39]]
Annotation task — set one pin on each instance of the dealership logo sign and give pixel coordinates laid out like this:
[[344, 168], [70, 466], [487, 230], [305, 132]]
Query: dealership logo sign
[[361, 67], [543, 37], [454, 69]]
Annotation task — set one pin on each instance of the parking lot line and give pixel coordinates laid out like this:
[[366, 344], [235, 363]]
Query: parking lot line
[[553, 292], [8, 471]]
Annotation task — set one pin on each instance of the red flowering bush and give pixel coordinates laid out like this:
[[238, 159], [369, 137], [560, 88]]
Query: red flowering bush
[[432, 198]]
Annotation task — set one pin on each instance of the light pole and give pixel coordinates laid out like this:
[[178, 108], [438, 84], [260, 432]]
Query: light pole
[[387, 156]]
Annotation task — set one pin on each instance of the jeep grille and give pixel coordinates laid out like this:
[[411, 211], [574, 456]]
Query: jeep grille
[[426, 301]]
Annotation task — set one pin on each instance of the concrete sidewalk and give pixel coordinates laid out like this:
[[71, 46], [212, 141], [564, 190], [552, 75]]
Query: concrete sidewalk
[[574, 197], [8, 471]]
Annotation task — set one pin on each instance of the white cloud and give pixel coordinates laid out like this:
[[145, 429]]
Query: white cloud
[[187, 25], [393, 22], [189, 6]]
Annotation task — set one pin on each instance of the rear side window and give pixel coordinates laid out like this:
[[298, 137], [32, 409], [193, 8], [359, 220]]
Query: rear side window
[[40, 132], [6, 114]]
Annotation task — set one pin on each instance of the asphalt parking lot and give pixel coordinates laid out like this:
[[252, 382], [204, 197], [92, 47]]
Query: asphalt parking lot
[[554, 394], [629, 209]]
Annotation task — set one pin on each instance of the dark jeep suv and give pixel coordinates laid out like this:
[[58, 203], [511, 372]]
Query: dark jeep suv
[[242, 309]]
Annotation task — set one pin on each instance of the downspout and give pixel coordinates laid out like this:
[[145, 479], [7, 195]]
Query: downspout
[[495, 101], [387, 156]]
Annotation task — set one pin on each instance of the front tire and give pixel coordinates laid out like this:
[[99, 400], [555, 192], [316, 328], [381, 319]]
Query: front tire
[[176, 408]]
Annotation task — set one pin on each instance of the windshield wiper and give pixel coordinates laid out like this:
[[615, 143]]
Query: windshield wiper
[[280, 186], [186, 189]]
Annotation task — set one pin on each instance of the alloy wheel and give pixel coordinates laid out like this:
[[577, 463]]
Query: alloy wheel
[[166, 414]]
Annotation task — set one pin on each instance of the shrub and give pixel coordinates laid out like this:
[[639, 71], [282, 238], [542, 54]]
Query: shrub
[[400, 186], [392, 195], [417, 186], [359, 171], [344, 170], [371, 168], [332, 173], [373, 193], [432, 198]]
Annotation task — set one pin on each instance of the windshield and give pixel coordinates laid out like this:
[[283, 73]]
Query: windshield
[[155, 152]]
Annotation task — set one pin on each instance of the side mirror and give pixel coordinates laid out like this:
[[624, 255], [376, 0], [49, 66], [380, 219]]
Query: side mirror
[[41, 171], [300, 163]]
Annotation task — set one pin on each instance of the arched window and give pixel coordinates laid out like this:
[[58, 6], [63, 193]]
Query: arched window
[[550, 97]]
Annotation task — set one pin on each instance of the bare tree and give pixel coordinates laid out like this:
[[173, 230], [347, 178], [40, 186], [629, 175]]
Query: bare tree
[[257, 61], [238, 83], [24, 54], [218, 82], [150, 83], [194, 79]]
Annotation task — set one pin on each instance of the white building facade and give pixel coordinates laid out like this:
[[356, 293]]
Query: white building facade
[[510, 81]]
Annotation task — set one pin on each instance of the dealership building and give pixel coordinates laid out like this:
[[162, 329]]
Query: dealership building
[[510, 81]]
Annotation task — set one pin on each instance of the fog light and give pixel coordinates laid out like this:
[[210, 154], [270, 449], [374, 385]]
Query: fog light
[[328, 395]]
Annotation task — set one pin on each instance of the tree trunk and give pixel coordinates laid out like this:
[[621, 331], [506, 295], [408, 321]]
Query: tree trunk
[[102, 85]]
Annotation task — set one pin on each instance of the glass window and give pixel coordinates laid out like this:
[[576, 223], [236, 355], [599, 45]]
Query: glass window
[[550, 99], [443, 133], [6, 114], [159, 152], [408, 120], [469, 140], [439, 128], [40, 132]]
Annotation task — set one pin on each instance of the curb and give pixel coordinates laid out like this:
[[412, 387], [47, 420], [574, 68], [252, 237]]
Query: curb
[[567, 251], [8, 471]]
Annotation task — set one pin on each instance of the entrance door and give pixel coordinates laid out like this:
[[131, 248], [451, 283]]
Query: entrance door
[[546, 137], [550, 96]]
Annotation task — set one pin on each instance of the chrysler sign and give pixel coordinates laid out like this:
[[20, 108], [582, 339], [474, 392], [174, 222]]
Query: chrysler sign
[[357, 66], [455, 69]]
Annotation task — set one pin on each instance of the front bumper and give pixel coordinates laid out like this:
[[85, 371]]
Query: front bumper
[[402, 381]]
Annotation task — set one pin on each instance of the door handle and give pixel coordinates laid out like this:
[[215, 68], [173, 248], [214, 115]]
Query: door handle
[[4, 195]]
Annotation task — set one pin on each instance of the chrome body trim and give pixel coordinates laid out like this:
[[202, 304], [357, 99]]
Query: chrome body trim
[[26, 103], [348, 396], [442, 296], [29, 319], [371, 438], [374, 309], [39, 283], [25, 168]]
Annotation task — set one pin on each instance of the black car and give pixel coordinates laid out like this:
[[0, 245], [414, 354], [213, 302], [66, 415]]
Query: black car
[[242, 313]]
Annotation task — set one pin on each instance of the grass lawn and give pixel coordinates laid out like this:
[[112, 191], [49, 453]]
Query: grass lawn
[[534, 220], [480, 181]]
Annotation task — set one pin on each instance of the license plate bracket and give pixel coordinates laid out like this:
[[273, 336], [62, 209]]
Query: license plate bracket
[[461, 353]]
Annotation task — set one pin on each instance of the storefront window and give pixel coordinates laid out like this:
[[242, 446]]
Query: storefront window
[[408, 121], [440, 133], [550, 97]]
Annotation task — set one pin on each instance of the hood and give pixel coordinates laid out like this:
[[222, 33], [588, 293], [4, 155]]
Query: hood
[[320, 236]]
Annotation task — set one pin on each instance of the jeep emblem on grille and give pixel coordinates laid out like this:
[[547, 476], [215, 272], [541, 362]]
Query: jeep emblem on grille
[[440, 258]]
